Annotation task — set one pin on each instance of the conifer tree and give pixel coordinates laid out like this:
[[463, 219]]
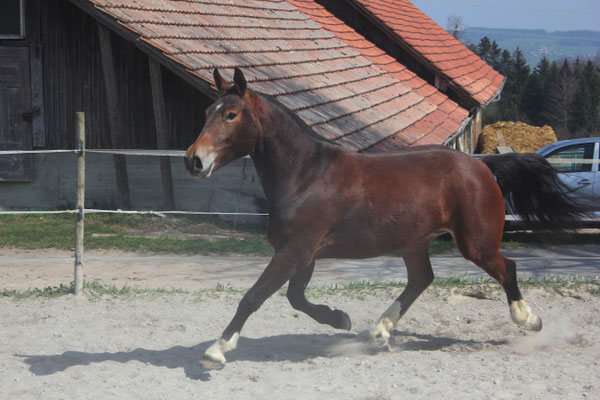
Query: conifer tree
[[586, 102], [505, 62], [495, 54], [536, 93], [517, 75], [562, 92], [483, 48]]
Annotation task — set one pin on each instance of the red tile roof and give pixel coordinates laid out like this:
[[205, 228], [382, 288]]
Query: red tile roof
[[434, 128], [344, 87], [446, 54]]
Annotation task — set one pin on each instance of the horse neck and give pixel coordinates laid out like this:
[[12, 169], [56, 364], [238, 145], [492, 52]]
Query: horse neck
[[283, 152]]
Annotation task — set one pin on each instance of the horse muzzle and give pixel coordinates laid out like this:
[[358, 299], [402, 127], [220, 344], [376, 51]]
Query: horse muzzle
[[200, 164]]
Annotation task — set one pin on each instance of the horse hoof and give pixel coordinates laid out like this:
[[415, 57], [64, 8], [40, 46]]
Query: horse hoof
[[380, 342], [534, 324], [210, 364], [522, 316], [380, 334], [214, 354], [341, 320], [379, 339]]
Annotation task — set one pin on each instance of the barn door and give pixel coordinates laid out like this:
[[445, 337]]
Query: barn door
[[15, 114]]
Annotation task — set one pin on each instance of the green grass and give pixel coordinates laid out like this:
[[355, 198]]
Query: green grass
[[125, 233], [483, 288], [255, 246], [49, 292], [93, 289]]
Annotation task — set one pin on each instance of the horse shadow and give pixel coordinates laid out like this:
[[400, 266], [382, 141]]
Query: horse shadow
[[287, 347]]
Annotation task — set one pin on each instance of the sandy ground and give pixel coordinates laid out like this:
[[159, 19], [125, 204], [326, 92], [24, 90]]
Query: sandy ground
[[148, 347]]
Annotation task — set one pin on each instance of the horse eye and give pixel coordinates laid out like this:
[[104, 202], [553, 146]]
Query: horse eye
[[230, 116]]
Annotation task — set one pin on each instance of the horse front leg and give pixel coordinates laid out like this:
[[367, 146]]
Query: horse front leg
[[283, 265], [420, 276], [319, 312]]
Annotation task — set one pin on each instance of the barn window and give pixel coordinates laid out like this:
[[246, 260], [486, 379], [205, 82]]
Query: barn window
[[12, 19]]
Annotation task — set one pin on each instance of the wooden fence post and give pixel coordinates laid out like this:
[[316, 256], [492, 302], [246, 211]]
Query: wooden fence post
[[114, 115], [80, 140], [162, 134]]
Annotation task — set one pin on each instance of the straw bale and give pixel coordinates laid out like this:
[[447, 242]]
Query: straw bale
[[521, 137]]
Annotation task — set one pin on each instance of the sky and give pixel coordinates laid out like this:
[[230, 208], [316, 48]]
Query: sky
[[550, 15]]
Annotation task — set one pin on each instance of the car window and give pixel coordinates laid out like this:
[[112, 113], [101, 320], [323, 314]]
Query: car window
[[576, 158]]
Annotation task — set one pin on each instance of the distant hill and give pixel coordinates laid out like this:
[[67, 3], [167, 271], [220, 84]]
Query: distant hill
[[536, 43]]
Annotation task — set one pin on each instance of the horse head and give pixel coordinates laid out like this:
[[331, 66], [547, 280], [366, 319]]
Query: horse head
[[230, 131]]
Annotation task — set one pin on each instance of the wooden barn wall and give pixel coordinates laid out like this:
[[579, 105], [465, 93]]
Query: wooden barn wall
[[73, 81], [185, 106]]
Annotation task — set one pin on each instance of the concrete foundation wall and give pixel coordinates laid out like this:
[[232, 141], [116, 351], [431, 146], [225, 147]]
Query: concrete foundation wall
[[53, 185]]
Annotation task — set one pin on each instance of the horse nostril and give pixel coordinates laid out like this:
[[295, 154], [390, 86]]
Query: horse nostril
[[193, 163], [197, 163]]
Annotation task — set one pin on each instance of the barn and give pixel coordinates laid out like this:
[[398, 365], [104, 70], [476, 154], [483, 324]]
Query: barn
[[142, 72]]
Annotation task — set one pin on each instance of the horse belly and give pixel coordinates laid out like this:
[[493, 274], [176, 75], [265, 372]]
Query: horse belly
[[364, 241], [379, 228]]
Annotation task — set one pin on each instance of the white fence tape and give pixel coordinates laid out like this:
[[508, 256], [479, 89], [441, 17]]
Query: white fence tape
[[140, 212], [136, 152], [17, 152]]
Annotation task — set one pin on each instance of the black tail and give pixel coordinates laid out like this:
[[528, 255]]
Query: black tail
[[534, 191]]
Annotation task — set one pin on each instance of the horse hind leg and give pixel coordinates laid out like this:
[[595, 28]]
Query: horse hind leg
[[504, 270], [320, 313], [520, 313], [420, 276]]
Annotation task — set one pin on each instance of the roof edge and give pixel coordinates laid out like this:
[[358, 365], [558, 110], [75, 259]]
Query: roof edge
[[496, 97], [464, 124]]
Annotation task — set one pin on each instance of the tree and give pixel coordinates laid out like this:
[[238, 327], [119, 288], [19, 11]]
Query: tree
[[456, 26], [506, 62], [586, 102], [519, 72], [495, 55], [543, 68], [483, 48], [517, 75], [488, 51], [536, 93], [561, 94]]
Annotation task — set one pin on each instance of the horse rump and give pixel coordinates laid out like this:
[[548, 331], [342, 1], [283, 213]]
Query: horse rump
[[535, 193]]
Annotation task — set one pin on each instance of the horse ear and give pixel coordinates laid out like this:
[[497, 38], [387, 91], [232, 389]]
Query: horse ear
[[220, 83], [240, 82]]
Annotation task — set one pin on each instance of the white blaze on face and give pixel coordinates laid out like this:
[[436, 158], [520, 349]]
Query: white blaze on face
[[216, 352], [522, 316], [387, 322]]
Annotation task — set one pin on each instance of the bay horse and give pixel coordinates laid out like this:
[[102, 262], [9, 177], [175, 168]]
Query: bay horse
[[328, 202]]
